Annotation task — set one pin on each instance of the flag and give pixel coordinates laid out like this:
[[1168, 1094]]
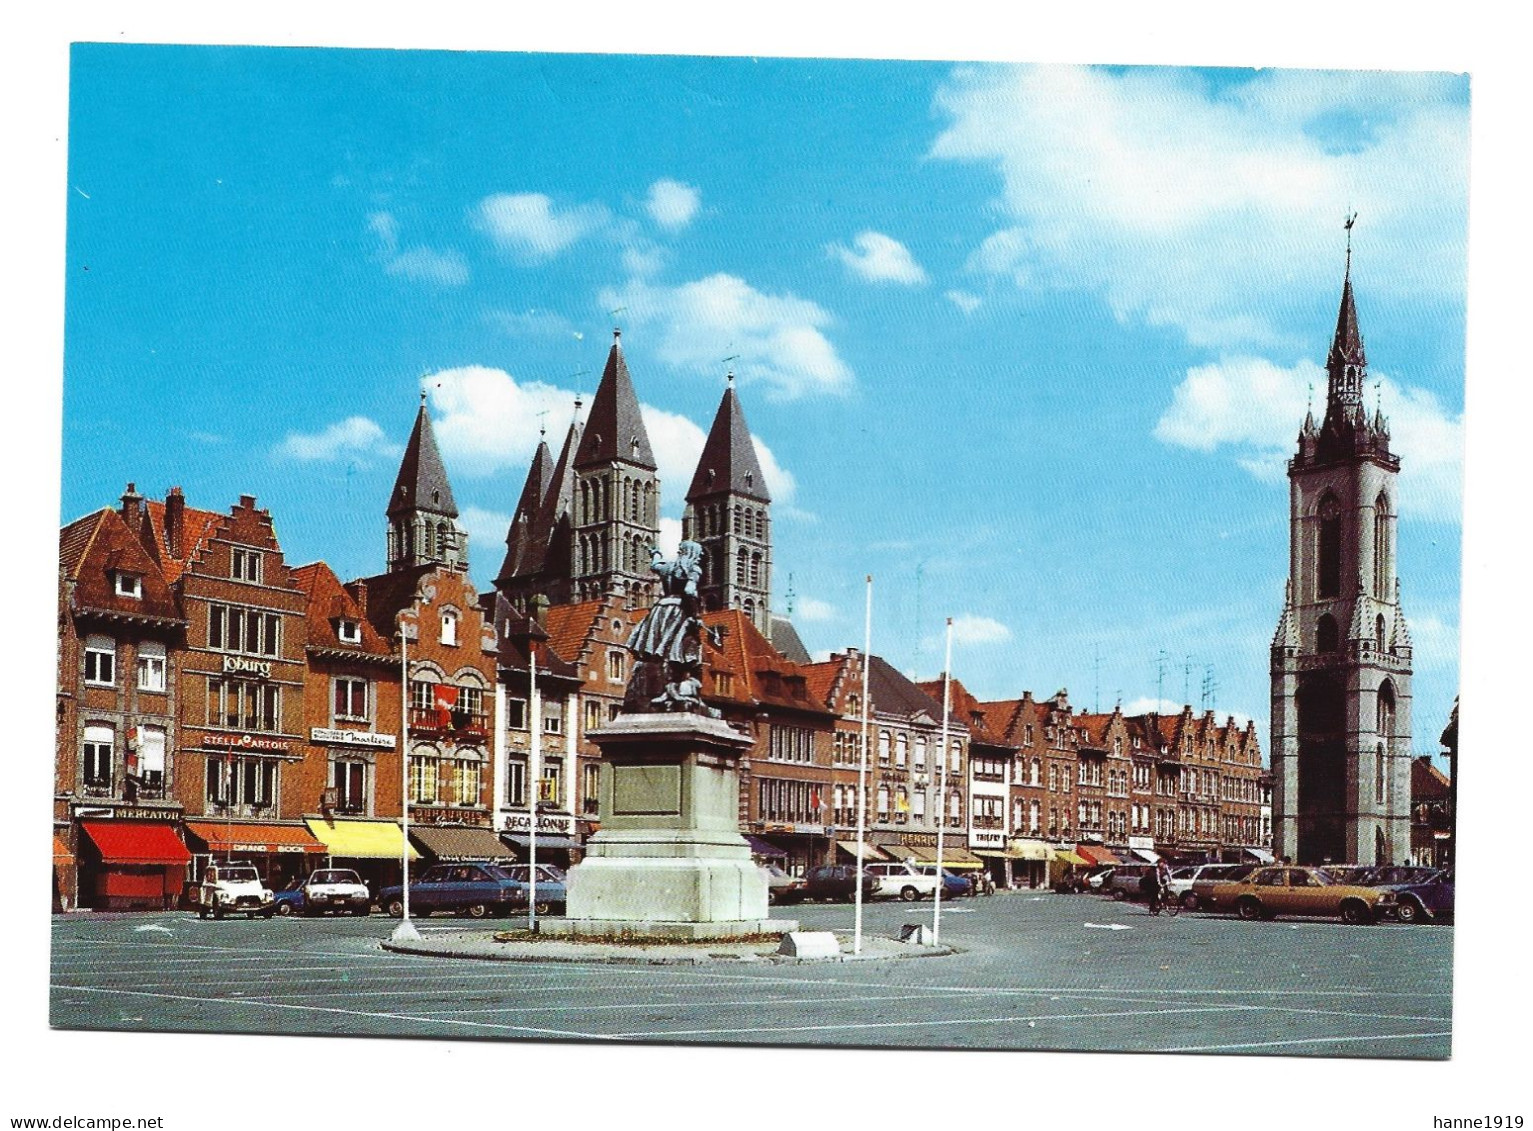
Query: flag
[[444, 699], [814, 799], [901, 803]]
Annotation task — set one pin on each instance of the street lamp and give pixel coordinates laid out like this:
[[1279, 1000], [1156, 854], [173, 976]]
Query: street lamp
[[406, 931]]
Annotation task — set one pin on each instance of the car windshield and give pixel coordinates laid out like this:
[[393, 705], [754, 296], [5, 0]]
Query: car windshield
[[237, 875], [334, 876]]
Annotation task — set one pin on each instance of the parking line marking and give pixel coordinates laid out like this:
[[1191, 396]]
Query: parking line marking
[[335, 1009], [1307, 1041]]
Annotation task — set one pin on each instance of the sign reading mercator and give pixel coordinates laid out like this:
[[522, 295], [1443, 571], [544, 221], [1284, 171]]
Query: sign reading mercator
[[351, 737]]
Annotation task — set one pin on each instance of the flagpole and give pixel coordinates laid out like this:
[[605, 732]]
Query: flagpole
[[947, 706], [406, 931], [535, 769], [862, 769]]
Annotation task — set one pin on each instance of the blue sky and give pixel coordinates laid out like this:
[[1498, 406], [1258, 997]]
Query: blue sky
[[1028, 344]]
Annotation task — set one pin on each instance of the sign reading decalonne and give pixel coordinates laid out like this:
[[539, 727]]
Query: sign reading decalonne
[[243, 665], [351, 737], [562, 825]]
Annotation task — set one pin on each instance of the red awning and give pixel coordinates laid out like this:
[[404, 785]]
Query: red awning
[[1095, 854], [223, 836], [137, 842]]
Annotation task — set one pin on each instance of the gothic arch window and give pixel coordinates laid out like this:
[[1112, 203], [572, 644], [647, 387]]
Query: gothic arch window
[[1381, 775], [1328, 550], [1378, 633], [750, 609], [649, 503], [1381, 547], [1385, 721], [443, 544], [1327, 636], [741, 559], [739, 512], [755, 569]]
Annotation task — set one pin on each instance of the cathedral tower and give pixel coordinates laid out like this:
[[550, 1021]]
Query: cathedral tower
[[729, 514], [616, 495], [1341, 658], [423, 528]]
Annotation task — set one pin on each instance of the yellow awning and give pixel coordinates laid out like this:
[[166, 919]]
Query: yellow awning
[[960, 859], [360, 840], [1065, 856]]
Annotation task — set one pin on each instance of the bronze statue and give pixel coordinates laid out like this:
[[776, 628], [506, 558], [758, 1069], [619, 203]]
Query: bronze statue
[[667, 644]]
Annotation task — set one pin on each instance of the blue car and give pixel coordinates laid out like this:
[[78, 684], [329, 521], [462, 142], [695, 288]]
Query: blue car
[[475, 889], [551, 890], [1428, 899], [290, 899]]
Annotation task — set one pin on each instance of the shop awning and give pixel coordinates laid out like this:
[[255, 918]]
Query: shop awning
[[1147, 855], [1025, 848], [959, 859], [559, 843], [452, 843], [258, 839], [61, 853], [1065, 856], [1260, 855], [360, 840], [137, 842], [761, 847], [1095, 854], [869, 851]]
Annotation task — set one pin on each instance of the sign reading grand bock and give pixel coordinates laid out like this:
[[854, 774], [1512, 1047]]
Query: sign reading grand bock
[[351, 737]]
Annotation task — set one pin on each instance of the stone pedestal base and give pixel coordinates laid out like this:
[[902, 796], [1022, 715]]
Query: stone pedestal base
[[635, 930]]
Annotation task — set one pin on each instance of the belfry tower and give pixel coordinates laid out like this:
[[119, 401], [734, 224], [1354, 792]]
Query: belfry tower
[[423, 527], [1341, 657], [729, 514], [616, 497]]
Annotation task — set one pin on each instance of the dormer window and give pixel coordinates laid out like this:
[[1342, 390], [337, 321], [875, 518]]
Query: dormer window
[[349, 631], [129, 585]]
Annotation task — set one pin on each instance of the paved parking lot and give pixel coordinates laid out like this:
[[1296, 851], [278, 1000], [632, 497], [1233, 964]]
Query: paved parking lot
[[1036, 971]]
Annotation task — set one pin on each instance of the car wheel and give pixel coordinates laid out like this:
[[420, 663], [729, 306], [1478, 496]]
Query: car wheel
[[771, 898], [1409, 911], [1119, 894], [544, 907], [268, 913], [476, 911], [1356, 912], [1249, 908], [1189, 902], [284, 909], [396, 908], [909, 894]]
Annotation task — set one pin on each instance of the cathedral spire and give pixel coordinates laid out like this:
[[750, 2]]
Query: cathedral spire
[[421, 510], [614, 431], [522, 533], [1346, 364], [729, 462]]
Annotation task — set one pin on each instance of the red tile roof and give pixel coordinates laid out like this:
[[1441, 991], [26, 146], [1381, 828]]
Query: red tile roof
[[570, 626], [197, 526], [329, 602], [93, 548]]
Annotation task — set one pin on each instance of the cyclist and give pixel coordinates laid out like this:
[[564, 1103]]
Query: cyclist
[[1156, 883]]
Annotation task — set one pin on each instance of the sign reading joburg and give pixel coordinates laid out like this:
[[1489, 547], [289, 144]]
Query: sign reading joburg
[[236, 664]]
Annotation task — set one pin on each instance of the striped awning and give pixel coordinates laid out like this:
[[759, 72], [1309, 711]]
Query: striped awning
[[233, 836], [1095, 854]]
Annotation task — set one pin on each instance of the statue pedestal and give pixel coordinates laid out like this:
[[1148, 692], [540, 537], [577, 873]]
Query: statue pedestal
[[669, 861]]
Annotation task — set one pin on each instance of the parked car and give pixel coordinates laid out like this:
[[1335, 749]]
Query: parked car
[[1185, 879], [1383, 875], [335, 889], [1268, 892], [781, 887], [473, 889], [1098, 877], [953, 885], [1428, 898], [838, 882], [230, 888], [289, 901], [1199, 896], [1126, 879], [904, 880], [551, 886]]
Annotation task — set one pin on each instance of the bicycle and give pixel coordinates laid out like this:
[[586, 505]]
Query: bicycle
[[1168, 901]]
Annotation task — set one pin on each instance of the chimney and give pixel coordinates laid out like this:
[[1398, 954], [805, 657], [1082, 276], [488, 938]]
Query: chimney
[[248, 502], [175, 521], [358, 591], [132, 508]]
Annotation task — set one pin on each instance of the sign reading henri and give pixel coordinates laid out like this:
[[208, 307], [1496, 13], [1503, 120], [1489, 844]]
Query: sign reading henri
[[667, 644]]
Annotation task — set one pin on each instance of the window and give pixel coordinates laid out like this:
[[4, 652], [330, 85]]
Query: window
[[901, 749], [350, 781], [233, 629], [244, 705], [516, 782], [423, 774], [616, 666], [723, 683], [100, 660], [550, 784], [469, 781], [593, 714], [883, 748], [349, 631], [920, 762], [1327, 636], [241, 784], [883, 803], [97, 758], [553, 718], [955, 757], [790, 744], [1381, 548], [1328, 550], [918, 804], [1033, 816], [149, 756], [449, 627], [590, 788], [151, 666], [128, 585], [350, 699], [245, 565], [516, 714], [955, 808]]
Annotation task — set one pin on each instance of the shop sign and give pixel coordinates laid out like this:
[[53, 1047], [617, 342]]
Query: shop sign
[[987, 838], [1145, 842], [126, 813], [558, 825], [351, 737], [242, 665], [245, 742]]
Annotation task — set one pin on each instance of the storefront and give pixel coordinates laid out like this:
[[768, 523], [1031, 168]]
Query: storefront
[[453, 844], [282, 854], [371, 848], [1066, 867], [556, 837], [131, 865], [1022, 863], [798, 847], [847, 849], [1095, 855]]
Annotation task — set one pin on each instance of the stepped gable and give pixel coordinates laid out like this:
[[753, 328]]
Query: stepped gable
[[966, 707], [178, 533]]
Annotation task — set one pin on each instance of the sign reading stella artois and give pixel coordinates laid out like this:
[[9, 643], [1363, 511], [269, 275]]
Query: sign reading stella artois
[[245, 742]]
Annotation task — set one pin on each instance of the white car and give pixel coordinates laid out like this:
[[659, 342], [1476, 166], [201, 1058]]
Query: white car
[[336, 889], [230, 888], [903, 879]]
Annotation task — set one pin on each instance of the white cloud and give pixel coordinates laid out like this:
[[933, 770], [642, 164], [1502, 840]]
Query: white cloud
[[355, 438], [669, 537], [878, 259], [779, 338], [1213, 206], [529, 224], [423, 264], [672, 204], [486, 533], [970, 628], [813, 610], [486, 422], [963, 300], [1254, 408]]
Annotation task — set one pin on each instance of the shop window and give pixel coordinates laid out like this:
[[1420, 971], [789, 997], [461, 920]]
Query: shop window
[[100, 660]]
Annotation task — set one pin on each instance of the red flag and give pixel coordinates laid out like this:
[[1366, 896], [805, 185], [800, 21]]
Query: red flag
[[445, 699]]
